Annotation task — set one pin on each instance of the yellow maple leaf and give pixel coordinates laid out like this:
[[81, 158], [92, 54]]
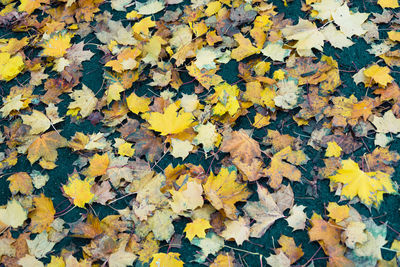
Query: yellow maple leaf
[[171, 121], [197, 228], [113, 92], [57, 45], [11, 66], [379, 74], [29, 6], [333, 150], [226, 95], [223, 191], [138, 104], [126, 149], [43, 215], [79, 190], [166, 260], [394, 36], [143, 26], [388, 3], [56, 262], [245, 48], [336, 212], [369, 187], [98, 165]]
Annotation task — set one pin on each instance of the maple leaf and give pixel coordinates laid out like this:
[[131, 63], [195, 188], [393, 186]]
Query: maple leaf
[[38, 121], [369, 187], [171, 121], [11, 104], [245, 48], [77, 55], [207, 136], [188, 197], [13, 214], [279, 168], [280, 260], [211, 244], [223, 259], [350, 23], [84, 100], [337, 38], [307, 35], [207, 78], [31, 5], [43, 214], [197, 228], [333, 150], [246, 154], [11, 66], [239, 230], [388, 3], [20, 182], [379, 74], [98, 165], [297, 218], [324, 231], [40, 246], [265, 212], [170, 259], [79, 190], [275, 51], [386, 124], [146, 144], [336, 212], [57, 44], [121, 257], [181, 148], [138, 104], [223, 191], [288, 246], [325, 8], [45, 147]]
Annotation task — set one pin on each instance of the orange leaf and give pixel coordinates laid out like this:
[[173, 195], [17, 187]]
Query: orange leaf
[[43, 215], [324, 231], [45, 147], [289, 247], [20, 182], [98, 165]]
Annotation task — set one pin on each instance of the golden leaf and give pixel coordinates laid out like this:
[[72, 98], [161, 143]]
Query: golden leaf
[[223, 191], [45, 147], [57, 45], [369, 187], [43, 214], [171, 121], [197, 228], [79, 190], [20, 182], [166, 260], [98, 165]]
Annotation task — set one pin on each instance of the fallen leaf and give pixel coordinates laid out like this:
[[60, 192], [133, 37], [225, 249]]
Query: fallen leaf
[[197, 228], [265, 212], [45, 147], [223, 191], [13, 214]]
